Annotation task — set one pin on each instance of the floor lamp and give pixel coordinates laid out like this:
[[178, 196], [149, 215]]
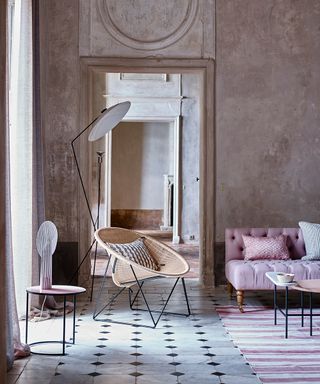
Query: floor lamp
[[100, 126]]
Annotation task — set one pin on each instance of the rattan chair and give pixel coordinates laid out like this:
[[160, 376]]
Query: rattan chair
[[126, 273]]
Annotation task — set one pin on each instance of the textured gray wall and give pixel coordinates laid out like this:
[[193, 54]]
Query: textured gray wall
[[190, 157], [60, 91], [267, 107], [141, 154]]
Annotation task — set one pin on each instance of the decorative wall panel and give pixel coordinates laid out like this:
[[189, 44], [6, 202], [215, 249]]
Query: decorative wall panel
[[168, 28]]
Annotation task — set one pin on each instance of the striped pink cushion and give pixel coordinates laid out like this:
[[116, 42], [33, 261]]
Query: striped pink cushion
[[257, 248]]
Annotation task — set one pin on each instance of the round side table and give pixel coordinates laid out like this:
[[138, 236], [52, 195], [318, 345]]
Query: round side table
[[55, 290]]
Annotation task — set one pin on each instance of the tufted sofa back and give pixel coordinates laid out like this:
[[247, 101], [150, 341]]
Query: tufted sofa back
[[234, 242]]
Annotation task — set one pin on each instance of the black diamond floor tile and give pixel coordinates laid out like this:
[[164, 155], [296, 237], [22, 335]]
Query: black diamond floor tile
[[172, 354], [99, 354], [100, 346], [218, 373], [213, 364], [135, 374], [174, 363], [94, 374], [97, 363], [136, 363], [177, 374], [136, 354]]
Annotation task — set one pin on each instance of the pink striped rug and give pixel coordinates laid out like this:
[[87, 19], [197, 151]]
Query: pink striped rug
[[272, 357]]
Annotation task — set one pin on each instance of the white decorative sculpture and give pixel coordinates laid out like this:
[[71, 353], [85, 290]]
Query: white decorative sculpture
[[46, 242]]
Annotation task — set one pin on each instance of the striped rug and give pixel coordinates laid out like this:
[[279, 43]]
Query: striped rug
[[272, 357]]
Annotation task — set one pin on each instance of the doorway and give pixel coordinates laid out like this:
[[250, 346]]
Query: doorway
[[142, 157], [205, 177]]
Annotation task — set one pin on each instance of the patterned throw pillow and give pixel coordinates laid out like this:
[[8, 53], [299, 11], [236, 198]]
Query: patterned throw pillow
[[311, 236], [257, 248], [136, 252]]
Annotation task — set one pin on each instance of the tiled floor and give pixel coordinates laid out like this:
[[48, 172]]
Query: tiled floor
[[180, 350]]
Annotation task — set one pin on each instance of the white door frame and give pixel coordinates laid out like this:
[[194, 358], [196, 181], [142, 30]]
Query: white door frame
[[176, 170]]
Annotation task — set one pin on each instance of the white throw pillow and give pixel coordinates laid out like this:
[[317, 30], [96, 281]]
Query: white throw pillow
[[311, 236]]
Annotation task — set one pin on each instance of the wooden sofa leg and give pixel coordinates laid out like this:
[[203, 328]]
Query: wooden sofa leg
[[240, 295], [229, 289]]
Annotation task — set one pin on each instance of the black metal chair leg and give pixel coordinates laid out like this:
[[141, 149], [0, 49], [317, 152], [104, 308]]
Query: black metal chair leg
[[135, 297], [165, 304], [140, 284], [186, 296]]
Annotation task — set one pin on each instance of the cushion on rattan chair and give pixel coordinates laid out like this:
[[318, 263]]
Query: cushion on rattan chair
[[137, 252]]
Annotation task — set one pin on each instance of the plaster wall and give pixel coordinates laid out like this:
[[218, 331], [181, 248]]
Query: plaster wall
[[267, 108], [60, 100], [147, 28], [141, 154], [190, 146], [267, 97]]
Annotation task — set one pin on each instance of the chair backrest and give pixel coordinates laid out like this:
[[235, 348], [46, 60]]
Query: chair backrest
[[235, 246], [117, 235]]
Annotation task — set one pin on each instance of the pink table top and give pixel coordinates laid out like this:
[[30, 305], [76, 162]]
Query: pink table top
[[56, 290], [312, 285]]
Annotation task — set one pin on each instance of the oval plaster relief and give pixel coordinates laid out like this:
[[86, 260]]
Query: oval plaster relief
[[147, 24]]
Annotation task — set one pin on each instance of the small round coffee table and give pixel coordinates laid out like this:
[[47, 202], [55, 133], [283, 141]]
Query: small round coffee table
[[55, 290], [310, 287]]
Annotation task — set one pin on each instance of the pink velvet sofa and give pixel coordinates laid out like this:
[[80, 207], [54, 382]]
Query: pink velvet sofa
[[245, 275]]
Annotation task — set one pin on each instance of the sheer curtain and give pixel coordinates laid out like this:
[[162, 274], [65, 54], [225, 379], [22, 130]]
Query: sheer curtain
[[21, 222], [5, 352], [20, 128]]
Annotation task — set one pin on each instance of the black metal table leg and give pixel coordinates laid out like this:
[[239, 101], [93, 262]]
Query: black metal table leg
[[275, 304], [302, 308], [310, 313], [286, 312], [64, 326], [27, 316], [74, 320]]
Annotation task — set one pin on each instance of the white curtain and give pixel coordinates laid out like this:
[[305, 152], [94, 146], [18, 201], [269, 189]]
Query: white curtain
[[21, 133]]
